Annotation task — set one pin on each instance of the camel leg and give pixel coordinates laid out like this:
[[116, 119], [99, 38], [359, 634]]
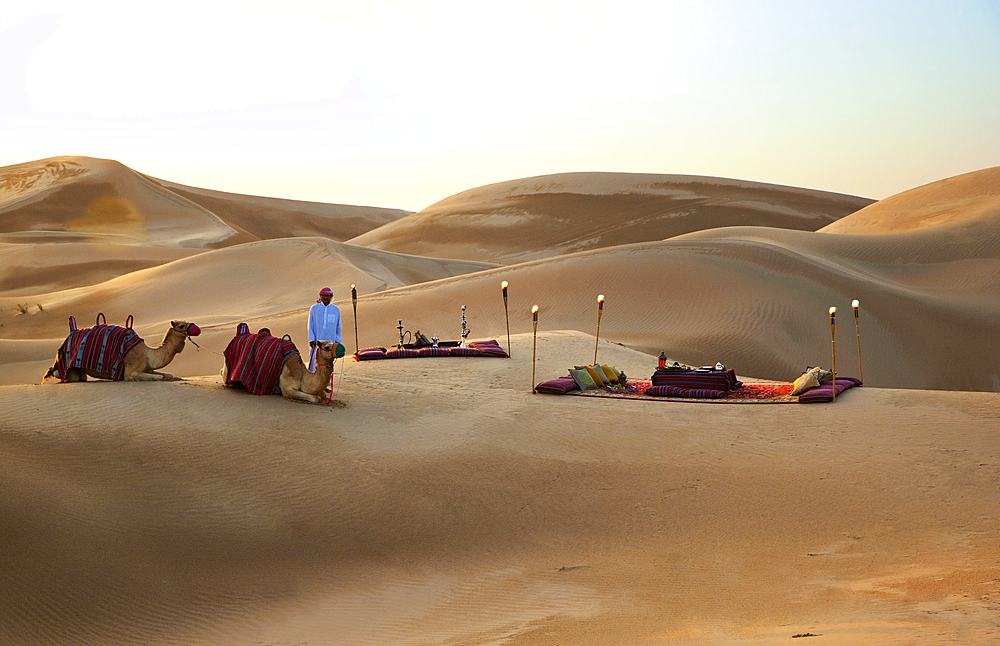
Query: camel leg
[[75, 374], [293, 393], [165, 376], [144, 376]]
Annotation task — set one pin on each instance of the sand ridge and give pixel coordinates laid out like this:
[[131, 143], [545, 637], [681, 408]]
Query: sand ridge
[[537, 217]]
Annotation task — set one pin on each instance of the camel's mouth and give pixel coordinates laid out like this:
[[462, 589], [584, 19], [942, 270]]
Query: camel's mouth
[[194, 330]]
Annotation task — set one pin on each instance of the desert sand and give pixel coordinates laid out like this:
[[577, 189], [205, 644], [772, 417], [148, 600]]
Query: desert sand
[[440, 501]]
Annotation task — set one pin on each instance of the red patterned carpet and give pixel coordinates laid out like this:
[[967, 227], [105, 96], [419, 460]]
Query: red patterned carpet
[[762, 392]]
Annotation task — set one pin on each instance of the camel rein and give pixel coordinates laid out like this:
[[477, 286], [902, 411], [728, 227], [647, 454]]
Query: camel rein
[[198, 347]]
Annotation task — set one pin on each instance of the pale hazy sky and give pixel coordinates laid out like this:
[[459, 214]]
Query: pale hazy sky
[[400, 104]]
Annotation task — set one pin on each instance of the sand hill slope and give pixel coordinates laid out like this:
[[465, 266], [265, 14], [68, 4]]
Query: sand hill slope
[[754, 298], [445, 504], [439, 501], [70, 198], [266, 218], [537, 217], [963, 200], [214, 289]]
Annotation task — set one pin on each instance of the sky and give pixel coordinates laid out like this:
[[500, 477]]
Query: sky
[[403, 103]]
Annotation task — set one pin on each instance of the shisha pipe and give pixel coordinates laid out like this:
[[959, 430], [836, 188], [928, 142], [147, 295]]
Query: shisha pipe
[[354, 298], [400, 328], [600, 310], [465, 332], [503, 286]]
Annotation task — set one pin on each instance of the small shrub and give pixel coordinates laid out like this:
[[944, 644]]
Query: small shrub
[[22, 308], [40, 308]]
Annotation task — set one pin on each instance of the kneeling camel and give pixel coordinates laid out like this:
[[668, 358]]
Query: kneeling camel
[[140, 363]]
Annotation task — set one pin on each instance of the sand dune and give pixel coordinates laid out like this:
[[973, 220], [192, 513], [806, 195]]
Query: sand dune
[[446, 504], [77, 198], [538, 217], [754, 298], [440, 502], [215, 289], [74, 199], [265, 218], [31, 269], [964, 200]]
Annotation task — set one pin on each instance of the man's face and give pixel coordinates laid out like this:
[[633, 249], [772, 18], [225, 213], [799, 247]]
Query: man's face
[[326, 298]]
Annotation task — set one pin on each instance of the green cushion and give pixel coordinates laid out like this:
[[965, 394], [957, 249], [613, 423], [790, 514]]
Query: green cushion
[[583, 379]]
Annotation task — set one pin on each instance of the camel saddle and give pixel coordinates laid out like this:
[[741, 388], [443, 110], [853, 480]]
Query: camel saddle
[[98, 349], [255, 360]]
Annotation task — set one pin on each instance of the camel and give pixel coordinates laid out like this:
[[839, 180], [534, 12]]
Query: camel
[[141, 362], [295, 382]]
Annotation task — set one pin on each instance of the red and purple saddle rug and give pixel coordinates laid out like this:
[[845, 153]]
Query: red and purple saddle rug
[[255, 360], [99, 349]]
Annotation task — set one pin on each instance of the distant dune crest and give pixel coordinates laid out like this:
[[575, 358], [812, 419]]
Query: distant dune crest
[[573, 212]]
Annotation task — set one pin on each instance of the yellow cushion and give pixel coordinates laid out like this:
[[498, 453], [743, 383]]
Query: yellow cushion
[[610, 373], [597, 375], [809, 379]]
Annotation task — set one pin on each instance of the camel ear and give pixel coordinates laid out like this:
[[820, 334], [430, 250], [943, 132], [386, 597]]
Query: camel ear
[[173, 323]]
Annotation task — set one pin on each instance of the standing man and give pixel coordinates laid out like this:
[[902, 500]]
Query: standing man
[[324, 324]]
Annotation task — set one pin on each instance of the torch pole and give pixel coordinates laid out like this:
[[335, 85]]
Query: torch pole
[[506, 316], [857, 328], [534, 344], [833, 344], [354, 299], [600, 310]]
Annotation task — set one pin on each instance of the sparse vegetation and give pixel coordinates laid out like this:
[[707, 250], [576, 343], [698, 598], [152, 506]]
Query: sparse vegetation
[[40, 308], [22, 308]]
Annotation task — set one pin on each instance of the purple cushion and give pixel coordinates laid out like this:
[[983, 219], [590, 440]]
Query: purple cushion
[[559, 386], [370, 353], [824, 392]]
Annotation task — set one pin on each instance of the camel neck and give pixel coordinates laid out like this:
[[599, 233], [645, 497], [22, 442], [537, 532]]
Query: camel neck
[[161, 355]]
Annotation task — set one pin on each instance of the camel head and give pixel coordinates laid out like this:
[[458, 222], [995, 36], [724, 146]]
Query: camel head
[[185, 328], [325, 353]]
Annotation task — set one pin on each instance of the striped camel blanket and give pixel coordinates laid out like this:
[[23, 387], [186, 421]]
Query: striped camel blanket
[[100, 349], [255, 360]]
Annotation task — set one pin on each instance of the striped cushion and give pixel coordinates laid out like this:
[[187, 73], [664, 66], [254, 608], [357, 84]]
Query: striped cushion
[[677, 391], [722, 380], [559, 386], [824, 392]]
